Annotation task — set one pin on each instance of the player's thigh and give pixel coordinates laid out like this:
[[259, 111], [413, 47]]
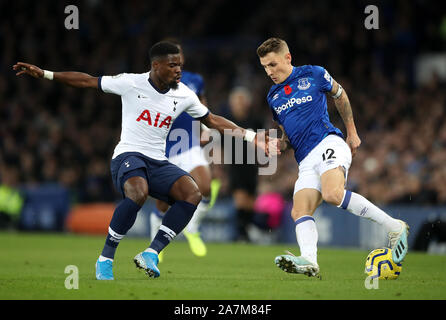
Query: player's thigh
[[333, 185], [336, 160], [130, 178], [185, 189], [202, 176], [305, 202]]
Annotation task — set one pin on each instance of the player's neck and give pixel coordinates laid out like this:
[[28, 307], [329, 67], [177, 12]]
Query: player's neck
[[290, 71], [158, 84], [287, 74]]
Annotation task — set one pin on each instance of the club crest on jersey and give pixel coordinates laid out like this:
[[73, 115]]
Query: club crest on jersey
[[175, 105], [287, 89], [303, 84], [145, 116]]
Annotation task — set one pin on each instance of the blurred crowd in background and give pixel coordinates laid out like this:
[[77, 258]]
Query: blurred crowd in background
[[50, 133]]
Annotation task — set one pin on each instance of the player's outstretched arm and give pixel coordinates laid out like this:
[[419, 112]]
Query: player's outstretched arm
[[344, 108], [271, 146], [71, 78]]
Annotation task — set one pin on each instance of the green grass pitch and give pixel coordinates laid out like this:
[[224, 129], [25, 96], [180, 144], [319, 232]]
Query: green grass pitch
[[32, 266]]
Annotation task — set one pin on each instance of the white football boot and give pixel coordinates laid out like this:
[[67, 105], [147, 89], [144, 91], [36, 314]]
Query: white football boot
[[398, 242], [292, 264]]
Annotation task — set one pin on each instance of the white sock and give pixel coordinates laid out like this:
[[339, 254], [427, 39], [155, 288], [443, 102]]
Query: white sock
[[151, 250], [200, 212], [155, 223], [360, 206], [306, 235], [102, 258]]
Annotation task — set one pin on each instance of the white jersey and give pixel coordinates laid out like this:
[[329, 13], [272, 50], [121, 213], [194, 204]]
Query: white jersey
[[148, 114]]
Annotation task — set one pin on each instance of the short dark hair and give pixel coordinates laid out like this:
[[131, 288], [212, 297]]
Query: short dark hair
[[271, 45], [162, 49]]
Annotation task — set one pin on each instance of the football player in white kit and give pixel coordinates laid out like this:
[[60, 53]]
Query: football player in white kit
[[150, 103]]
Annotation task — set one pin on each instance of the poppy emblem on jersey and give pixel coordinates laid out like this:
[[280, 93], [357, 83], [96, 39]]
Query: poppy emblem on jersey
[[287, 89], [303, 84]]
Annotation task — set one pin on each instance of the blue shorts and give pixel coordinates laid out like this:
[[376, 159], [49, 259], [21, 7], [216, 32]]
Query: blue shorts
[[160, 174]]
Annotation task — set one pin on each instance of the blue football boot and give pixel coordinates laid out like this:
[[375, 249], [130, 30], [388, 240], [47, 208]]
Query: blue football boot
[[148, 261], [104, 270]]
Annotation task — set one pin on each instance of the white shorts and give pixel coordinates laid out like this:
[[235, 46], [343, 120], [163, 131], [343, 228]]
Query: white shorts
[[190, 159], [330, 153]]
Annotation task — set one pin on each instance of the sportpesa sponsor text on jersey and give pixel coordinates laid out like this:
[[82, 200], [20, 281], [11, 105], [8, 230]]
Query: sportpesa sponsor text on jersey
[[299, 104]]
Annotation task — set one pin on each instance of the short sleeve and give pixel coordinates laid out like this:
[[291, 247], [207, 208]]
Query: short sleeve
[[118, 84], [323, 79], [195, 108]]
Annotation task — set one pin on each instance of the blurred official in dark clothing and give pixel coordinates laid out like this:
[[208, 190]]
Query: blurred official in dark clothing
[[243, 173]]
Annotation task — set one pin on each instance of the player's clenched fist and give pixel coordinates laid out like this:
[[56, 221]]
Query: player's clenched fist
[[26, 68], [271, 146]]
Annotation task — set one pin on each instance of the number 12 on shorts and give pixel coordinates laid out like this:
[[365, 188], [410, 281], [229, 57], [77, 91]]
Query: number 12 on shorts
[[328, 154]]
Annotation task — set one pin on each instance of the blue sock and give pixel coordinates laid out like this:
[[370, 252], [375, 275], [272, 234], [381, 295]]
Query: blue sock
[[123, 219], [174, 221]]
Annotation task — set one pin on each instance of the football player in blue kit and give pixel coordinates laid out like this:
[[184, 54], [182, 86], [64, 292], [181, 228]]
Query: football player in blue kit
[[299, 105], [183, 149]]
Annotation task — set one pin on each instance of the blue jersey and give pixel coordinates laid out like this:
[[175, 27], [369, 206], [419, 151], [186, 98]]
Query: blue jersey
[[184, 121], [299, 104]]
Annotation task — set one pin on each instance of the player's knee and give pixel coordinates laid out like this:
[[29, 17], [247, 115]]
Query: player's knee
[[136, 190], [333, 196], [193, 196], [139, 197], [185, 189], [297, 213], [205, 190]]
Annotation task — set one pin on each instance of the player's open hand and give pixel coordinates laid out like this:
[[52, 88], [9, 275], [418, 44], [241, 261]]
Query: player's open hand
[[29, 69], [353, 142], [271, 146]]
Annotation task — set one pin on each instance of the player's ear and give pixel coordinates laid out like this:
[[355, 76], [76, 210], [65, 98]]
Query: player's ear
[[154, 65], [288, 57]]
